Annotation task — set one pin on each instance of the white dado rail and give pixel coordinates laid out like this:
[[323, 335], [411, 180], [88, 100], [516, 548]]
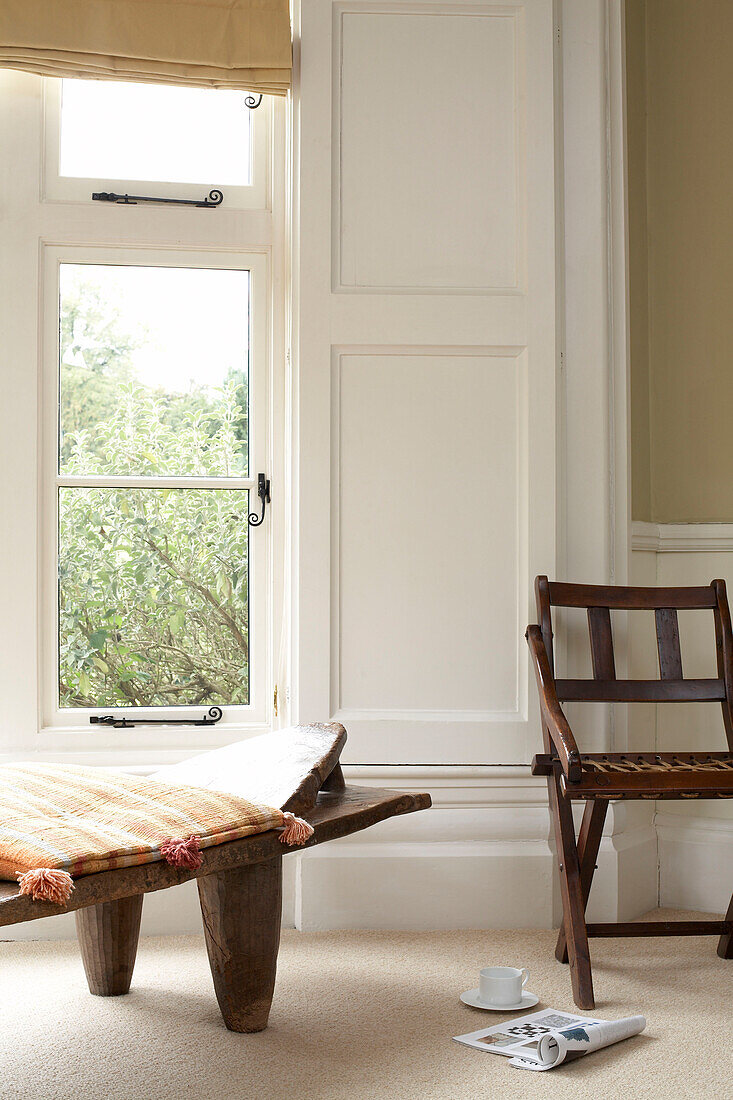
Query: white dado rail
[[682, 538], [695, 839]]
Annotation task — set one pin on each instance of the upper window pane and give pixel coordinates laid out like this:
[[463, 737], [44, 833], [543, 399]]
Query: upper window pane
[[126, 131], [154, 371]]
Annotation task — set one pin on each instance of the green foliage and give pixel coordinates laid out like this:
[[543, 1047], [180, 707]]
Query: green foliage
[[95, 358], [90, 327], [153, 583]]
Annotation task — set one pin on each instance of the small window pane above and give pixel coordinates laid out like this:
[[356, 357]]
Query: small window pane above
[[153, 371], [124, 131]]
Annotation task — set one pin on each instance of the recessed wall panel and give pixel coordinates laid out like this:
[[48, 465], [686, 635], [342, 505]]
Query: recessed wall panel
[[427, 167], [426, 506]]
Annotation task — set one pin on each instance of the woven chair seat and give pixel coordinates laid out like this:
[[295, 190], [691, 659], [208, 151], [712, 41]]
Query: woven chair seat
[[647, 775], [689, 775], [658, 762]]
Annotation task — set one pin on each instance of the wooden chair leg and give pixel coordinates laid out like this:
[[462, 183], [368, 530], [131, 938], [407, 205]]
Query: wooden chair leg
[[589, 841], [241, 911], [108, 935], [572, 896], [725, 943]]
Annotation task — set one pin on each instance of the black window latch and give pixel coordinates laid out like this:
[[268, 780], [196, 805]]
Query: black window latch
[[209, 719], [263, 492]]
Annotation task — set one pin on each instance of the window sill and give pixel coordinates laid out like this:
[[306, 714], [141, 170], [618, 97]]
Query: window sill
[[141, 748]]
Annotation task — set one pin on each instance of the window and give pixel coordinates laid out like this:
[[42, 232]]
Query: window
[[159, 133], [153, 386], [121, 137], [156, 424], [162, 359]]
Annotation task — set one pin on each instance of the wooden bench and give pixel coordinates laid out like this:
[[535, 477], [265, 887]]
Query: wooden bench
[[239, 884]]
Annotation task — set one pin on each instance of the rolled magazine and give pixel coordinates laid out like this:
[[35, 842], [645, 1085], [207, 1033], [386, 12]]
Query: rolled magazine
[[548, 1038], [564, 1045]]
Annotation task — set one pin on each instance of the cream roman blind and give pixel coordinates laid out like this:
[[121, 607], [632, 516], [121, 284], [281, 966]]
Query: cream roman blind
[[204, 43]]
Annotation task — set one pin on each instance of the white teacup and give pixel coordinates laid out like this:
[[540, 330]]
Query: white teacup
[[502, 985]]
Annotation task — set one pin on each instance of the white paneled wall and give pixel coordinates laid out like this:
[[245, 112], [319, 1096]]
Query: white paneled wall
[[430, 139], [456, 430], [695, 837], [426, 579], [426, 367], [427, 211]]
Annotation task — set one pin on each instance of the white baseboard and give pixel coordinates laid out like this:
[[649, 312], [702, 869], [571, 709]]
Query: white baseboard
[[480, 858], [695, 861], [426, 886]]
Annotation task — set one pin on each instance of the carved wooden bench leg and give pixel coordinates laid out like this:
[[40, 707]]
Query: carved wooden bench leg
[[241, 911], [108, 935]]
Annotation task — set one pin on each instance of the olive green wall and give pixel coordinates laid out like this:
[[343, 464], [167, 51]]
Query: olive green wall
[[638, 266], [680, 162]]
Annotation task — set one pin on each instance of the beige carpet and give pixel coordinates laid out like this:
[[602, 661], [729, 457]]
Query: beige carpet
[[357, 1016]]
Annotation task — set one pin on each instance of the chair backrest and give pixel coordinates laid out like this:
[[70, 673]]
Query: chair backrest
[[599, 601]]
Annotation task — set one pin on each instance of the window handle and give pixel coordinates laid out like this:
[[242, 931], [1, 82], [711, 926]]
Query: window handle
[[263, 492], [209, 719], [214, 198]]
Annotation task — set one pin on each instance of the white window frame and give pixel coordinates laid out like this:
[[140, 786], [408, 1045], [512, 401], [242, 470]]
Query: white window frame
[[255, 713], [228, 237], [57, 188]]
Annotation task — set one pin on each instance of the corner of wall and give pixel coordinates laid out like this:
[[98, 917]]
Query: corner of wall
[[642, 473], [695, 839]]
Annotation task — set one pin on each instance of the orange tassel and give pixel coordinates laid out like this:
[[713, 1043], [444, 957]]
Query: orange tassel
[[296, 831], [182, 853], [47, 884]]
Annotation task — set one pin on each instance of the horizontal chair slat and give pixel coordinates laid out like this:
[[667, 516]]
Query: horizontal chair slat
[[592, 595], [662, 928], [640, 691]]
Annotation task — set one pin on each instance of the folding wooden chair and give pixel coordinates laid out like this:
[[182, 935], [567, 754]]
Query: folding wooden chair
[[598, 777]]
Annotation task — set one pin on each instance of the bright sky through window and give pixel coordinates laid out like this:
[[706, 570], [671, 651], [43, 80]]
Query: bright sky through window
[[180, 336], [126, 131], [190, 326]]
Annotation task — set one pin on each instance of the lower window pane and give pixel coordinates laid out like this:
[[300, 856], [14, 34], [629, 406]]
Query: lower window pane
[[153, 597]]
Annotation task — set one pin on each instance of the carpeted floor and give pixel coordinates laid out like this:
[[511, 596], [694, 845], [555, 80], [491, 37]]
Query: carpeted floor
[[357, 1016]]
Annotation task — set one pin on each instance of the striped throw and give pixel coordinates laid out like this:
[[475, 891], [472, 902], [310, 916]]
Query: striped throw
[[79, 821]]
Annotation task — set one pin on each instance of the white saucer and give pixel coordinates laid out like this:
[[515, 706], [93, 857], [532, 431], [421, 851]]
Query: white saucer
[[471, 997]]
